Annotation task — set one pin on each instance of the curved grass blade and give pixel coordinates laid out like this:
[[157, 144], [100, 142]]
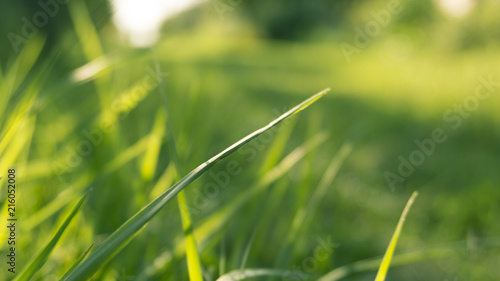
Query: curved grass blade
[[89, 266], [42, 257], [386, 261], [236, 275]]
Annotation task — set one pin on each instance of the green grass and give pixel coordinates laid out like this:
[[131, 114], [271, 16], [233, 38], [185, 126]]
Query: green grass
[[319, 175]]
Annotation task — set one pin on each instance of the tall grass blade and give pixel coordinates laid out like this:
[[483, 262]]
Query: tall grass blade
[[89, 266], [42, 257], [386, 261]]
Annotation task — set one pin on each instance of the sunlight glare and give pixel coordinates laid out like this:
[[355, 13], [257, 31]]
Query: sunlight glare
[[456, 8], [141, 20]]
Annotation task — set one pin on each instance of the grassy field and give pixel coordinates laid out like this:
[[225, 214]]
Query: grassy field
[[317, 183]]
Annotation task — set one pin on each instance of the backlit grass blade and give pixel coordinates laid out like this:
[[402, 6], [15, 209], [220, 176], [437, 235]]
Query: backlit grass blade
[[386, 261], [89, 266], [236, 275], [37, 262]]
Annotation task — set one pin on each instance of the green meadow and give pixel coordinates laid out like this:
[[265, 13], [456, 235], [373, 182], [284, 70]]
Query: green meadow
[[219, 154]]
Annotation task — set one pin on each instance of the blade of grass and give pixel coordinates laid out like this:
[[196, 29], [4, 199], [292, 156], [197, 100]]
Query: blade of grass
[[386, 261], [89, 266], [40, 259]]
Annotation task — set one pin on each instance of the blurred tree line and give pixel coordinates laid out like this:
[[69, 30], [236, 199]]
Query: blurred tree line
[[277, 19], [281, 19]]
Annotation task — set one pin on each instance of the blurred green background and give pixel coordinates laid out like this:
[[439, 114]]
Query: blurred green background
[[81, 107]]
